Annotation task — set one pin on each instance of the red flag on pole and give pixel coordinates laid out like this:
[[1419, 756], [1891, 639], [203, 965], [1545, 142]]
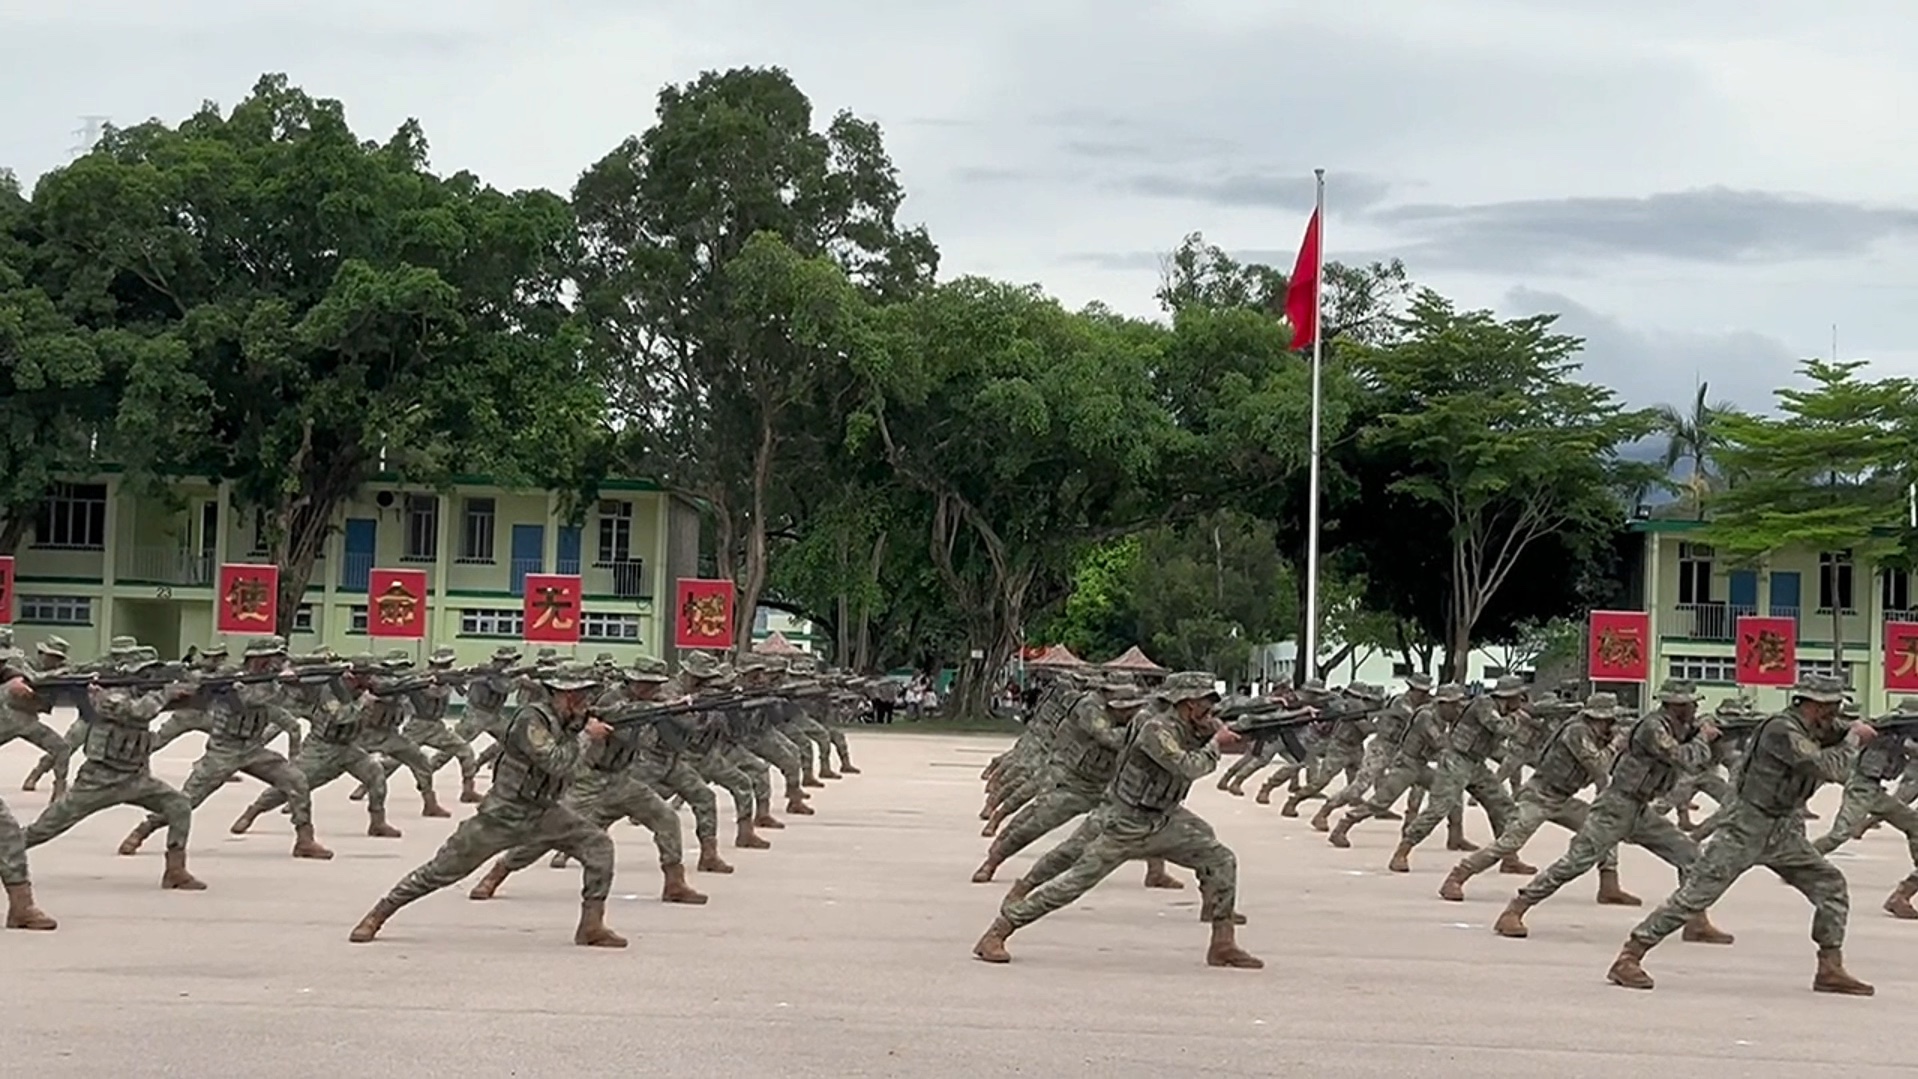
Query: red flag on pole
[[1302, 293]]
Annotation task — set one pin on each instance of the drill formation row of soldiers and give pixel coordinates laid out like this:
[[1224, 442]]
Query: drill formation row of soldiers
[[1434, 747], [369, 716]]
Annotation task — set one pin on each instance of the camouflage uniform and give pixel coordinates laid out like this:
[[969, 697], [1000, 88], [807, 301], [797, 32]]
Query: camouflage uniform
[[1142, 817], [1462, 768], [332, 749], [381, 716], [1424, 739], [538, 759], [1344, 749], [806, 717], [20, 716], [486, 693], [1790, 754], [425, 727], [709, 750], [22, 913], [1388, 727], [120, 650], [1883, 759]]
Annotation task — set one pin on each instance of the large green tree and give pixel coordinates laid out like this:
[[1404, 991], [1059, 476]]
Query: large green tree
[[320, 308]]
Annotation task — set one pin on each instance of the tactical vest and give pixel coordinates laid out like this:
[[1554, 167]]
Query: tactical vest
[[1141, 782], [1421, 742], [1078, 752], [238, 722], [334, 723], [1471, 737], [484, 693], [381, 715], [1391, 724], [1349, 733], [1883, 757], [1559, 770], [1767, 783], [620, 749], [516, 775], [429, 704], [115, 739], [1637, 774]]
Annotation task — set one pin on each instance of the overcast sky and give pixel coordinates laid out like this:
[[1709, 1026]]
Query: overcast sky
[[1702, 189]]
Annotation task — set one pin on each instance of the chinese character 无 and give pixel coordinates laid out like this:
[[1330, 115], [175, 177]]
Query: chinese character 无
[[248, 599], [554, 607], [1905, 657]]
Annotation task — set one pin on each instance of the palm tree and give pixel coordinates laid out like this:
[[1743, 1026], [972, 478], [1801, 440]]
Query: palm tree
[[1692, 436]]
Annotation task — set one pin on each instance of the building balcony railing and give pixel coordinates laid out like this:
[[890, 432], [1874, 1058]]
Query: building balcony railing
[[1889, 615], [1703, 621], [356, 571], [163, 565], [520, 567]]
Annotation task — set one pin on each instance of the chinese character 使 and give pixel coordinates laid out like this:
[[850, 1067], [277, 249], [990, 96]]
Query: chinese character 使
[[554, 607], [1620, 649], [1766, 650], [396, 605], [247, 599]]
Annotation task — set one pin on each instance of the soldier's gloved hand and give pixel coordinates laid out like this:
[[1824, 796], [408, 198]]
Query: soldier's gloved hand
[[596, 730], [1708, 731], [1863, 731], [1228, 739]]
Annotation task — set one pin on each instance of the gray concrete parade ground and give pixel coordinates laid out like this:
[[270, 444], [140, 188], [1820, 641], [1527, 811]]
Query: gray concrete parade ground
[[845, 951]]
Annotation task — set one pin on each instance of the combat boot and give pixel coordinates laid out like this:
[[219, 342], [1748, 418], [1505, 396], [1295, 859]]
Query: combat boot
[[1833, 978], [377, 827], [558, 860], [245, 820], [1157, 877], [992, 946], [1898, 904], [1322, 820], [375, 920], [1455, 839], [747, 839], [798, 807], [1236, 788], [430, 805], [1625, 969], [983, 874], [1019, 890], [358, 795], [1700, 930], [676, 890], [469, 794], [21, 912], [1291, 806], [1387, 814], [488, 885], [1611, 895], [176, 878], [305, 846], [1224, 783], [1511, 864], [1452, 889], [1224, 950], [709, 859], [812, 781], [1264, 796], [846, 767], [1401, 859], [826, 772], [592, 931], [130, 846], [765, 819], [1337, 837], [1511, 920]]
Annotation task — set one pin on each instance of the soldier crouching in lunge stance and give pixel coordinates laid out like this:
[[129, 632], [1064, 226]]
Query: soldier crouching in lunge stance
[[22, 913], [1142, 817], [539, 756]]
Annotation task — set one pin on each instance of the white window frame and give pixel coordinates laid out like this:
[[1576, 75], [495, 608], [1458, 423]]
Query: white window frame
[[1822, 667], [420, 536], [479, 541], [356, 619], [508, 622], [74, 519], [305, 619], [615, 537], [56, 610], [1704, 669], [615, 626]]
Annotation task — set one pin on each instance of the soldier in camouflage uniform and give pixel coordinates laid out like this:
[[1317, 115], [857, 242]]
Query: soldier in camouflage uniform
[[666, 762], [193, 716], [486, 693], [701, 672], [1786, 759], [1648, 760], [382, 717], [22, 912], [611, 786], [759, 737], [1537, 722], [119, 651], [1462, 770], [425, 727], [1266, 750], [337, 711], [539, 757], [236, 744], [1710, 778], [118, 770], [1389, 727], [1410, 771], [1578, 754], [1865, 803], [20, 715], [804, 717], [1143, 816], [1344, 749], [1020, 774]]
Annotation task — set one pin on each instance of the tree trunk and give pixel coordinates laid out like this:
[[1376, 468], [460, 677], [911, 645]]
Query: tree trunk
[[302, 530], [1838, 636], [755, 581], [13, 529]]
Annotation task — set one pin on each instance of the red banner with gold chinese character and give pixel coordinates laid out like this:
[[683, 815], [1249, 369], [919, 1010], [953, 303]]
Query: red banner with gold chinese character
[[1901, 657], [6, 590], [552, 608], [1620, 647], [396, 603], [1767, 651], [702, 613], [249, 598]]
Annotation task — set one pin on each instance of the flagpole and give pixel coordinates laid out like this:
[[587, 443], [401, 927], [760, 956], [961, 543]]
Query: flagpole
[[1311, 650]]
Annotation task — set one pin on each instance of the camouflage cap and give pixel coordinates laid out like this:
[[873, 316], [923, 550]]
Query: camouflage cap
[[547, 656], [364, 662], [398, 659], [216, 650], [646, 669], [1733, 706], [442, 657], [1126, 703], [1822, 688], [264, 648], [1906, 706], [120, 646], [1677, 691], [1510, 685], [506, 652], [1568, 688], [567, 679], [1419, 681], [57, 646], [1449, 693], [724, 674], [1313, 685], [1601, 705], [699, 665], [1189, 686], [802, 664], [6, 636], [1366, 691], [748, 662], [141, 657]]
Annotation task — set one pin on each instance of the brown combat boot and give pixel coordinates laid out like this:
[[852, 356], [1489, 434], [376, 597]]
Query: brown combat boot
[[1511, 920], [592, 931], [1401, 858], [1157, 877], [1019, 890], [130, 846], [558, 860], [992, 946], [430, 805], [469, 794], [1513, 865], [826, 772], [676, 890], [1625, 969], [1833, 978], [33, 778], [1700, 930], [799, 808], [22, 913], [1291, 806], [1338, 836], [358, 795], [983, 874], [305, 846], [765, 819], [377, 827], [747, 839], [488, 885], [1455, 839], [245, 820], [846, 767], [811, 781], [176, 878], [374, 921], [1264, 797], [709, 859], [1322, 820], [1452, 889], [1898, 904], [1611, 895], [1224, 950]]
